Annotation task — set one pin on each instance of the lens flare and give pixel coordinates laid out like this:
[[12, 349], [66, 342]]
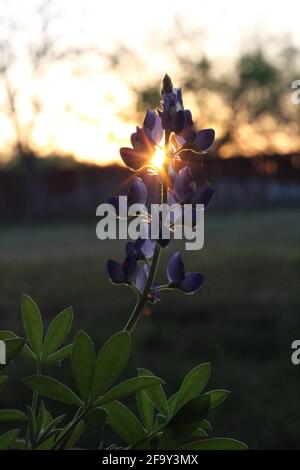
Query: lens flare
[[158, 158]]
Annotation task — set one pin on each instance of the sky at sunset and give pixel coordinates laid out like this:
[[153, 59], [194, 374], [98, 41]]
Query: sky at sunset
[[87, 106]]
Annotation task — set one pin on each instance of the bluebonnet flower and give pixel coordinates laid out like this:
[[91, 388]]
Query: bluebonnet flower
[[123, 274], [190, 139], [140, 282], [179, 120], [144, 248], [143, 142], [181, 140], [137, 194], [179, 279], [172, 115], [185, 189]]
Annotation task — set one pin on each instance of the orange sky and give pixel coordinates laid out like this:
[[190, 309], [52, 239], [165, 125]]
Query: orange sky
[[88, 110]]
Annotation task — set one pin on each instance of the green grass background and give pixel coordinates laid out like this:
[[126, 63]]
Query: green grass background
[[243, 321]]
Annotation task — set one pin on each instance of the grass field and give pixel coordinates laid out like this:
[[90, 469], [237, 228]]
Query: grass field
[[243, 321]]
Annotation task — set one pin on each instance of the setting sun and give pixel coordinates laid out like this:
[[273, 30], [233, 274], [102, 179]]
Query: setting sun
[[158, 158]]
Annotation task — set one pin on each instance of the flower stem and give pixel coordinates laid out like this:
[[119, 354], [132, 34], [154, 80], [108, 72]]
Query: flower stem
[[138, 309]]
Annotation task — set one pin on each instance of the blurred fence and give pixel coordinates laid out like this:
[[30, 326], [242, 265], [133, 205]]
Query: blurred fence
[[39, 192]]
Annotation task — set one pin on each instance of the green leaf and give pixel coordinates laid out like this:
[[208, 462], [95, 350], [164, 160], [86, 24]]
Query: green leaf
[[13, 347], [8, 439], [184, 423], [46, 443], [25, 352], [215, 444], [60, 354], [192, 385], [32, 425], [128, 387], [206, 425], [156, 394], [75, 436], [111, 360], [32, 322], [3, 380], [7, 334], [57, 331], [171, 402], [217, 397], [11, 415], [145, 409], [49, 431], [126, 425], [199, 434], [98, 417], [52, 388], [83, 364], [40, 418]]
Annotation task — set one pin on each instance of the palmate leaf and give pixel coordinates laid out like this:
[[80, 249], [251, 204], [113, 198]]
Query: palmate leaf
[[156, 394], [126, 425], [185, 421], [8, 439], [57, 332], [83, 364], [32, 322], [110, 363], [52, 388], [215, 444], [192, 385], [128, 387]]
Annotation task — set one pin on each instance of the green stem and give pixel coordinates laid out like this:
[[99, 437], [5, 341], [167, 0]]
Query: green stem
[[139, 307]]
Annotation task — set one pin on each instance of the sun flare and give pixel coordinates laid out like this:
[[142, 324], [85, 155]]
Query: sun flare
[[158, 158]]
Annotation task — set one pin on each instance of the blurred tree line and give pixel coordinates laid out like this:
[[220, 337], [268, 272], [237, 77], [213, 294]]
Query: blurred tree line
[[248, 101]]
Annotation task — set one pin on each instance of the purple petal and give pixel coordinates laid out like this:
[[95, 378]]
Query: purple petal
[[150, 118], [178, 94], [142, 277], [203, 140], [188, 130], [131, 158], [130, 265], [179, 122], [184, 185], [115, 272], [191, 282], [203, 196], [147, 248], [130, 246], [137, 193], [175, 269]]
